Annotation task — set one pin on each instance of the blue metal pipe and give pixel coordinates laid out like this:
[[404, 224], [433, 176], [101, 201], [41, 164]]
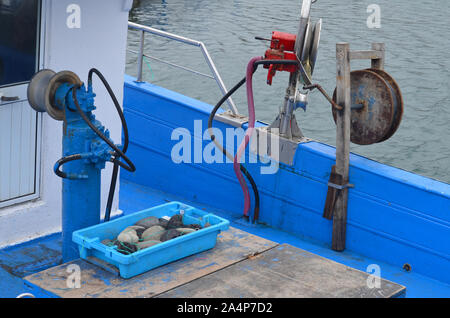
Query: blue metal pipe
[[82, 184], [81, 196]]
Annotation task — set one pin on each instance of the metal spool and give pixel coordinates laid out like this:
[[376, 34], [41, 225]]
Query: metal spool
[[36, 89], [398, 108], [42, 88], [377, 106]]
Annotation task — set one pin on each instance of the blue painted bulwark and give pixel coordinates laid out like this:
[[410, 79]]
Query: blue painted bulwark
[[393, 215]]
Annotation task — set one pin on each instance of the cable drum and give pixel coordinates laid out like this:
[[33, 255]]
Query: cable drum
[[398, 102], [376, 106], [42, 88]]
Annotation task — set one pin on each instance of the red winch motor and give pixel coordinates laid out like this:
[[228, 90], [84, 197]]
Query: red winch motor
[[281, 48]]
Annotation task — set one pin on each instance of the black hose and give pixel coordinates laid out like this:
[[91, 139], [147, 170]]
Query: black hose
[[62, 161], [225, 152], [130, 166], [112, 187], [117, 152], [116, 104], [216, 108], [279, 62]]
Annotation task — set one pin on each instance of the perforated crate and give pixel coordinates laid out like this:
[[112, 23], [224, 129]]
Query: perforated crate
[[89, 239]]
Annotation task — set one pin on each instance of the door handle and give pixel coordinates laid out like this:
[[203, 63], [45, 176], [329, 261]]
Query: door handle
[[9, 98]]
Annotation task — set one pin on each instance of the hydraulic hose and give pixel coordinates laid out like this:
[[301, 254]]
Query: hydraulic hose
[[251, 68], [248, 133], [116, 162], [64, 160], [130, 166], [117, 152], [258, 61], [226, 153]]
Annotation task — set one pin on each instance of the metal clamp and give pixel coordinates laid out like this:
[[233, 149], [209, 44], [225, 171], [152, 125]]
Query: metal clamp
[[340, 187]]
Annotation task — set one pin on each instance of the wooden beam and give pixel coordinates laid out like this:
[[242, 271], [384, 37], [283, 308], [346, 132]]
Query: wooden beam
[[342, 142], [378, 63], [366, 55]]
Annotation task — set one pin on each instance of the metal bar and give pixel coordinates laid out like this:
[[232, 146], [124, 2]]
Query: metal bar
[[163, 34], [179, 66], [140, 56], [378, 63], [287, 110], [342, 143], [366, 55], [219, 80], [306, 8], [185, 40], [173, 64]]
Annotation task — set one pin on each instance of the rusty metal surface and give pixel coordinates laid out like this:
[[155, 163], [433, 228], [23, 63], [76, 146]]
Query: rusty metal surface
[[58, 79], [398, 102], [232, 246], [373, 121]]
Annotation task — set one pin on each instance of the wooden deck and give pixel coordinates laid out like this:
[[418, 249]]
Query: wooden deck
[[241, 265]]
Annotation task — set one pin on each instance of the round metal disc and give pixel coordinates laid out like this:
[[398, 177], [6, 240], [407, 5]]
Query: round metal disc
[[63, 77], [315, 45], [398, 101], [306, 43], [370, 123], [36, 89]]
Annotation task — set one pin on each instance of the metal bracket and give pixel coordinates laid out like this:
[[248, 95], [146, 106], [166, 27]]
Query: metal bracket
[[235, 120], [340, 187], [272, 145]]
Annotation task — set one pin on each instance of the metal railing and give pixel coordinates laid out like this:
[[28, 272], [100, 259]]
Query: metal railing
[[215, 74]]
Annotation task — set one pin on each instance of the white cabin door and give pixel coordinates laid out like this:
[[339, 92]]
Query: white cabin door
[[19, 124]]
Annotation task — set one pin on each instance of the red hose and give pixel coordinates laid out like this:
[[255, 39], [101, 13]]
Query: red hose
[[248, 134]]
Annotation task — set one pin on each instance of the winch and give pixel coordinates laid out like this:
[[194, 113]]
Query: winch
[[376, 106], [367, 107], [86, 148]]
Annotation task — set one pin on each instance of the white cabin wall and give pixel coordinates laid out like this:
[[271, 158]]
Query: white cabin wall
[[100, 42]]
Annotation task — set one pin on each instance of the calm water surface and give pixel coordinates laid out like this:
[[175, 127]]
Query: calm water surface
[[417, 37]]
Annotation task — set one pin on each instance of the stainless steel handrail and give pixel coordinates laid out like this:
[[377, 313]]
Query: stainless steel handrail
[[145, 29]]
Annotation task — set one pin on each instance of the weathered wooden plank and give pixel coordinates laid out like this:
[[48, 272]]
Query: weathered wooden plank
[[373, 54], [232, 246], [286, 271], [379, 62], [342, 143]]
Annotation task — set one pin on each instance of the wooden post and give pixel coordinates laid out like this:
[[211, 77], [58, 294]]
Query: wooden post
[[342, 143], [378, 63]]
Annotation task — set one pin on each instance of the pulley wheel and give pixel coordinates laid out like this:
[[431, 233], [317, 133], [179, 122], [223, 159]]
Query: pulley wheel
[[315, 45], [373, 107], [36, 89], [63, 77], [398, 102]]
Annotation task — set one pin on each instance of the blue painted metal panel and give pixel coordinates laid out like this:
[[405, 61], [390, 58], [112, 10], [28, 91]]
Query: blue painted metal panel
[[394, 216]]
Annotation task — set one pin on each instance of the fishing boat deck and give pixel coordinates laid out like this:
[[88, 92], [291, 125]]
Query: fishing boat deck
[[36, 259], [241, 265]]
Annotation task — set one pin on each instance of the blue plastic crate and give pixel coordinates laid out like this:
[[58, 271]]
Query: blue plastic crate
[[89, 239]]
